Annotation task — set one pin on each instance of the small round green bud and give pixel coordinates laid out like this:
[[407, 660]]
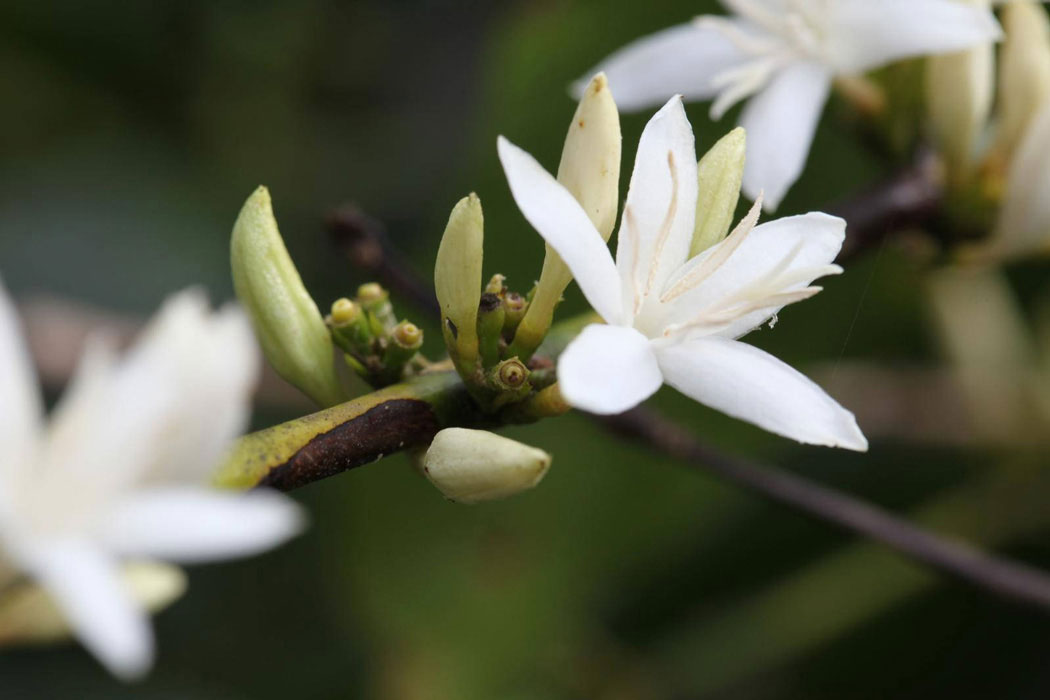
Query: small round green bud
[[344, 311], [369, 292], [408, 335]]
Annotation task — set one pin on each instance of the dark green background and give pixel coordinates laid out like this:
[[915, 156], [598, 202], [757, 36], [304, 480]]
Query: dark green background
[[130, 134]]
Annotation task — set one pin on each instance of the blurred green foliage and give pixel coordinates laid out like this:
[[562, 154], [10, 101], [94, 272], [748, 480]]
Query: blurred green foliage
[[130, 135]]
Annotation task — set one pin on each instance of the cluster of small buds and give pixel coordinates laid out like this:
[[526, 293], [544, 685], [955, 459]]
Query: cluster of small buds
[[493, 334], [376, 346]]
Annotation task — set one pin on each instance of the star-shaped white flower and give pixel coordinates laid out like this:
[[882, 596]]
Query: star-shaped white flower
[[784, 54], [675, 321], [120, 473]]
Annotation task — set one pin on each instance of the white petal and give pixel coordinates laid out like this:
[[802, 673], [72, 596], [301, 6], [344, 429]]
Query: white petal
[[866, 34], [780, 122], [658, 216], [1024, 221], [608, 370], [195, 525], [559, 218], [88, 588], [799, 248], [746, 383], [20, 406], [165, 413], [680, 60]]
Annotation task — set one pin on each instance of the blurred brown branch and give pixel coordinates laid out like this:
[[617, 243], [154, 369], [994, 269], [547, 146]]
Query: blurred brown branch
[[906, 200]]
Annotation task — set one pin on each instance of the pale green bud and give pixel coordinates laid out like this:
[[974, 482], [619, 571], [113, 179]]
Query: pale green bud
[[457, 279], [959, 93], [289, 326], [720, 173], [590, 170], [28, 614], [471, 466], [1024, 70]]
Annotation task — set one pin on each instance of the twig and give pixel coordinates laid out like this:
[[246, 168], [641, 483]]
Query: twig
[[909, 198], [1001, 576], [366, 245], [912, 197]]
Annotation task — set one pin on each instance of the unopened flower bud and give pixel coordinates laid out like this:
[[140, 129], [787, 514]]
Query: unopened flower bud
[[590, 170], [1024, 70], [28, 614], [344, 311], [720, 173], [495, 285], [408, 335], [371, 293], [471, 466], [405, 341], [514, 307], [959, 95], [289, 325], [457, 280], [376, 301]]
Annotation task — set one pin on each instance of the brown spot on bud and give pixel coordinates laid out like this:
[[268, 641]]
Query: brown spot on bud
[[489, 302]]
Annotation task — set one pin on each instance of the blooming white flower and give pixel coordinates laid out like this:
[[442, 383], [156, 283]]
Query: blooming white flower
[[675, 321], [119, 475], [784, 54]]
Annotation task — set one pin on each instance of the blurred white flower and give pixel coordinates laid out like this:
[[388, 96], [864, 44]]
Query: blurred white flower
[[1023, 227], [784, 54], [120, 473], [675, 321]]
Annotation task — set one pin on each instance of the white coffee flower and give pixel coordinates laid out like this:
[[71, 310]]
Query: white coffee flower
[[784, 54], [120, 473], [675, 320]]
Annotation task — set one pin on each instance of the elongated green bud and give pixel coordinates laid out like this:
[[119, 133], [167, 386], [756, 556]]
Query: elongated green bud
[[289, 326], [472, 466], [590, 170], [457, 280], [1024, 70], [721, 171], [490, 328]]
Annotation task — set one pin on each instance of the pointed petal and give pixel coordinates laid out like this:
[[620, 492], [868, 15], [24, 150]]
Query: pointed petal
[[190, 525], [559, 218], [172, 405], [658, 216], [680, 60], [868, 34], [88, 588], [780, 122], [747, 383], [795, 248], [608, 370], [20, 406]]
